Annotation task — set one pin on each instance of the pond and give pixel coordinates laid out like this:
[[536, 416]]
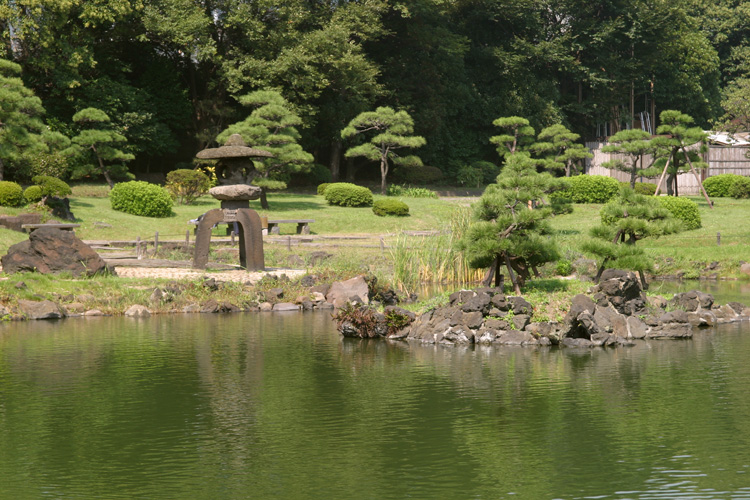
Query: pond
[[280, 406]]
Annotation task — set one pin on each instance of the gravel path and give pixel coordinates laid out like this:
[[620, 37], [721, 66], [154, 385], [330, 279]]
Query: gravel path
[[175, 273]]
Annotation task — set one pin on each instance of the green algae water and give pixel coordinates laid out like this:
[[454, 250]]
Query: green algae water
[[279, 406]]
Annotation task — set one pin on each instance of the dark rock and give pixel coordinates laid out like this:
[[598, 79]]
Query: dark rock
[[317, 258], [738, 307], [671, 330], [308, 280], [49, 251], [519, 305], [60, 208], [274, 294], [465, 296], [307, 305], [520, 321], [515, 337], [45, 309], [213, 306], [480, 302], [636, 328], [674, 317], [285, 306], [496, 324], [576, 342], [657, 301], [499, 302], [20, 285], [472, 320]]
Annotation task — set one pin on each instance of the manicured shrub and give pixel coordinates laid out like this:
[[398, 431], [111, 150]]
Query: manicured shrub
[[589, 189], [33, 194], [740, 188], [11, 194], [410, 191], [642, 188], [469, 176], [186, 185], [683, 209], [418, 175], [382, 208], [718, 186], [52, 186], [141, 198], [345, 194], [322, 188], [563, 267]]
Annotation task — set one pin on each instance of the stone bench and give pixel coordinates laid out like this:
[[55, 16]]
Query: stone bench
[[65, 227]]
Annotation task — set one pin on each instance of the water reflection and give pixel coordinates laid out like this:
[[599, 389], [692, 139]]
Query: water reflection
[[279, 406]]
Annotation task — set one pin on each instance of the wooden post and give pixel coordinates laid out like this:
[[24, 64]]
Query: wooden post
[[663, 174], [718, 239], [289, 243], [137, 247], [382, 245], [695, 173], [156, 241], [187, 239], [231, 235]]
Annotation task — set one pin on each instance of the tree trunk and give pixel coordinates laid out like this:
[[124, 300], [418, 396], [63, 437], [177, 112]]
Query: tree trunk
[[512, 275], [263, 199], [383, 174], [487, 281], [335, 162], [633, 172], [2, 169]]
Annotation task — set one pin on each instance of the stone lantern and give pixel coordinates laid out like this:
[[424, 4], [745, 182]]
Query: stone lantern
[[234, 171]]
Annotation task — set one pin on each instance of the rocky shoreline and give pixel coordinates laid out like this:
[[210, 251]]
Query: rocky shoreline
[[618, 312]]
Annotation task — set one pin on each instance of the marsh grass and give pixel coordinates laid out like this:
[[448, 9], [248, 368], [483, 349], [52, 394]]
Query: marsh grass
[[434, 259]]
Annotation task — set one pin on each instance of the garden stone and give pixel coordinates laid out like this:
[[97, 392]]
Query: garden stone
[[519, 305], [480, 302], [458, 336], [50, 251], [515, 337], [137, 311], [266, 307], [342, 292], [499, 301], [738, 307], [520, 321], [472, 320], [671, 330], [702, 318], [235, 192], [636, 328], [45, 309], [745, 268], [191, 308], [674, 317], [658, 301], [94, 312], [576, 342], [285, 307], [496, 324]]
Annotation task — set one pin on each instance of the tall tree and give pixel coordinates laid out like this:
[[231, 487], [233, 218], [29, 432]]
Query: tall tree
[[517, 135], [634, 144], [102, 142], [20, 117], [271, 127], [627, 219], [392, 132], [559, 150], [506, 231]]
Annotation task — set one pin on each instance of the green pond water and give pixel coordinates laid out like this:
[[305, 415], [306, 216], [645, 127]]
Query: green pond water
[[256, 406]]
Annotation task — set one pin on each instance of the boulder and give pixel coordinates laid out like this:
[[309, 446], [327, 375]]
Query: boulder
[[49, 251], [342, 292], [285, 306], [137, 311], [45, 309]]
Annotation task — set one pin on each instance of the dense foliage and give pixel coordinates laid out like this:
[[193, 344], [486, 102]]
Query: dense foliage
[[683, 209], [141, 198], [381, 208], [186, 185], [169, 72], [741, 188], [51, 186], [345, 194], [11, 194], [719, 185], [589, 189]]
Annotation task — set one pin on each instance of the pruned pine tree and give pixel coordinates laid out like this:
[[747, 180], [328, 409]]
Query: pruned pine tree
[[506, 230], [271, 126], [518, 135], [20, 117], [634, 144], [99, 138], [393, 132], [627, 219], [559, 150], [676, 136]]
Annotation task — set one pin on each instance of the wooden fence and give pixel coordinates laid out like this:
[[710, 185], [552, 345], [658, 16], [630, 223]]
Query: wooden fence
[[720, 159]]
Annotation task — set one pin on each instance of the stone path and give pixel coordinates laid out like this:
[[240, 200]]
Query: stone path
[[176, 273]]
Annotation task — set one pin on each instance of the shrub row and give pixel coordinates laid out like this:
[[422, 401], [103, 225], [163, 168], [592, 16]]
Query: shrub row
[[588, 189], [141, 198]]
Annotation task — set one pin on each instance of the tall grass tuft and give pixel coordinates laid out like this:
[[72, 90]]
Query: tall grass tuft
[[434, 259]]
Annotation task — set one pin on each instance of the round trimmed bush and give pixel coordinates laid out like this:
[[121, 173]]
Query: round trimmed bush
[[642, 188], [33, 194], [345, 194], [398, 208], [590, 189], [683, 209], [52, 186], [740, 188], [186, 185], [141, 198], [11, 194], [322, 188], [718, 186]]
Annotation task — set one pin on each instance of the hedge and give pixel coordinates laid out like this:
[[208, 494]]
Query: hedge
[[348, 195], [718, 186], [141, 198], [398, 208], [589, 189]]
